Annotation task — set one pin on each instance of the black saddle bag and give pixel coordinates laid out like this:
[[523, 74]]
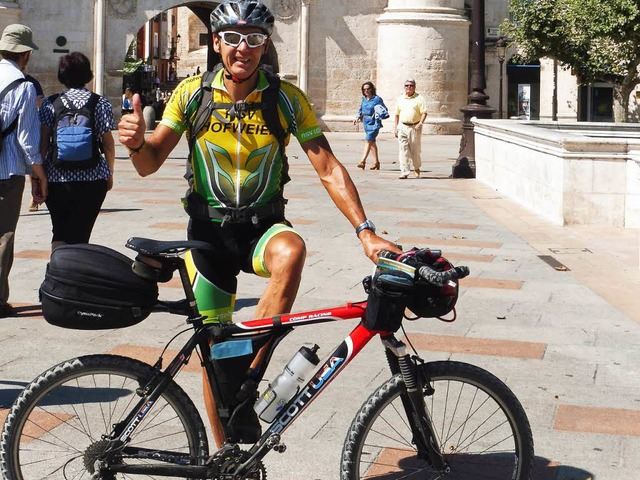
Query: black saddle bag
[[91, 287]]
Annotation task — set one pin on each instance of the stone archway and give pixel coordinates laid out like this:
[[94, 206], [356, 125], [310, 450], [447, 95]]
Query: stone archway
[[124, 18]]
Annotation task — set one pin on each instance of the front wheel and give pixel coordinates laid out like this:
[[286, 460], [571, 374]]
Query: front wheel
[[479, 424], [57, 427]]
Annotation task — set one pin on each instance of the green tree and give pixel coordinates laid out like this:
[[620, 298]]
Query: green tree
[[598, 39], [131, 62]]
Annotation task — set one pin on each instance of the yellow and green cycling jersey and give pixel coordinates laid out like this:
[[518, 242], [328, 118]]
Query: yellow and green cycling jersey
[[236, 162]]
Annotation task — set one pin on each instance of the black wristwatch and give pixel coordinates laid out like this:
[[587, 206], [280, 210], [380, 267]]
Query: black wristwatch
[[366, 225]]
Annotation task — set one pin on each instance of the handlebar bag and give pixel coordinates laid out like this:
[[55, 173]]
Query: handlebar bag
[[92, 287], [387, 300]]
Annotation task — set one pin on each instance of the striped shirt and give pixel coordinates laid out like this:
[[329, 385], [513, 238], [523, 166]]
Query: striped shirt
[[21, 148]]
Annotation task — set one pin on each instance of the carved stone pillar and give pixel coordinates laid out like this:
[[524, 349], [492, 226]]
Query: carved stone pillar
[[9, 13], [427, 40]]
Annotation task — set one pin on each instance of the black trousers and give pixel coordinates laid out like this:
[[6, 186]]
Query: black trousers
[[74, 207]]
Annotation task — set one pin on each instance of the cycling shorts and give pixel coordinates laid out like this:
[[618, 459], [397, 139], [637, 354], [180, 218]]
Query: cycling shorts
[[213, 274]]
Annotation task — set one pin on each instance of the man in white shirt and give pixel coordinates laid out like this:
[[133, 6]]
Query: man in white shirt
[[19, 147]]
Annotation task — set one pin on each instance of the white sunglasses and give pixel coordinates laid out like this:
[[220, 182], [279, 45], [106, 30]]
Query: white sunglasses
[[233, 39]]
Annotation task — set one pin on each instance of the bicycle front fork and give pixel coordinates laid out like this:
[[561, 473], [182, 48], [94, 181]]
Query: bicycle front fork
[[424, 436]]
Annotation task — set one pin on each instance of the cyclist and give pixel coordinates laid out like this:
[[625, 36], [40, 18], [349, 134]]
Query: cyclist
[[236, 202]]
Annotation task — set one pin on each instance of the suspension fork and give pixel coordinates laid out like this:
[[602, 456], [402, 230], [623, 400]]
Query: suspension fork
[[401, 363]]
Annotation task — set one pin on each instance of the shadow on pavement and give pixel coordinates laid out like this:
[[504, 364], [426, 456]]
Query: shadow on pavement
[[115, 210], [246, 302], [8, 396], [545, 469]]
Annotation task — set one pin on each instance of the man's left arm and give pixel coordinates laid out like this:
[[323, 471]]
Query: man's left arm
[[423, 111], [343, 192]]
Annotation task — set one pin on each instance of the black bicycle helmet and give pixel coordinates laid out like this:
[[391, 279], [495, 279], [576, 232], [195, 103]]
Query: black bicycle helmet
[[426, 300], [429, 301], [245, 13]]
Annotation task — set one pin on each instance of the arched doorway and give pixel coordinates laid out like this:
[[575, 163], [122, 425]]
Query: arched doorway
[[126, 24], [170, 46]]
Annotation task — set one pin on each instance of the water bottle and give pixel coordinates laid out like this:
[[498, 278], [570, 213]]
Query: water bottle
[[285, 386]]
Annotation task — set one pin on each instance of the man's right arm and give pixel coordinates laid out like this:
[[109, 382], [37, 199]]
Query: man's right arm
[[148, 155]]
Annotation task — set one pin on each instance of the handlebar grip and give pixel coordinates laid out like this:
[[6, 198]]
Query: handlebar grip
[[462, 271], [439, 279]]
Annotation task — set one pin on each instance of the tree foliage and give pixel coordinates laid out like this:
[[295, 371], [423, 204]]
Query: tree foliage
[[131, 62], [598, 39]]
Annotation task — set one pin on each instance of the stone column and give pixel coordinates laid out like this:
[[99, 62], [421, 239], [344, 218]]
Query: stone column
[[9, 13], [303, 74], [427, 40], [100, 25]]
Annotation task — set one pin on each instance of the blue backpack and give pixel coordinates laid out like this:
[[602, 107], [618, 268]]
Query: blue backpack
[[75, 145]]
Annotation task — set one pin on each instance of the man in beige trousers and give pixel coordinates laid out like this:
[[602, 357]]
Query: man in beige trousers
[[411, 111]]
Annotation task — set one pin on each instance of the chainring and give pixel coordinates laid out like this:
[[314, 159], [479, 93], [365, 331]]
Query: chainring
[[226, 460]]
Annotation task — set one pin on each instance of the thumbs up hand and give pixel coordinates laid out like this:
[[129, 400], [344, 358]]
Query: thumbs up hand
[[132, 126], [137, 105]]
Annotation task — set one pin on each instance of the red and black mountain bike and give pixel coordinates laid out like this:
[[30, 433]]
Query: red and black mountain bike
[[108, 417]]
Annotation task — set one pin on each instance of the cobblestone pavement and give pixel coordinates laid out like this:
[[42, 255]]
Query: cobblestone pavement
[[553, 311]]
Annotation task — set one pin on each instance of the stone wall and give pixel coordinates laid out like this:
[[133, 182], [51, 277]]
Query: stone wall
[[569, 173]]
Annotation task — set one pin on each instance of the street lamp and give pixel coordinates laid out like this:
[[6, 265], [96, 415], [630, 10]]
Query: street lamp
[[501, 52], [465, 166]]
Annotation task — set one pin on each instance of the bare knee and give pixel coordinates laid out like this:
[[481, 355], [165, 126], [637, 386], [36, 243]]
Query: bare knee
[[286, 252]]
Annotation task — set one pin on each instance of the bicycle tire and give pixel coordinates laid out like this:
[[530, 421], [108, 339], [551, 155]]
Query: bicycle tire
[[493, 441], [57, 421]]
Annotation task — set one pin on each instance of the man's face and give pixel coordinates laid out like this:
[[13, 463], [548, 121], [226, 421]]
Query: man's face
[[243, 59], [409, 88]]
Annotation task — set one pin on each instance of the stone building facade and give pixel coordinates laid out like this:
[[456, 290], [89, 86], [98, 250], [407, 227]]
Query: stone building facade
[[328, 47]]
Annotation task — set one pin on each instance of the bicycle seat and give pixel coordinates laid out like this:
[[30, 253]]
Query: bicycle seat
[[155, 248]]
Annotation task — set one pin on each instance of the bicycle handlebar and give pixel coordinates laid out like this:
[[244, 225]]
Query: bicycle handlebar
[[419, 257], [439, 279]]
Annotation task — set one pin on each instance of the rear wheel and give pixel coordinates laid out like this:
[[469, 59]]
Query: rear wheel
[[55, 427], [482, 430]]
